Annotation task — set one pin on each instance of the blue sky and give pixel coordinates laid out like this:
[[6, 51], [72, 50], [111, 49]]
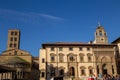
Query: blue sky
[[42, 21]]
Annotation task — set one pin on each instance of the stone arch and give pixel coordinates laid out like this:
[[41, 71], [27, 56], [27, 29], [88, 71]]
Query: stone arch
[[82, 67], [90, 67], [82, 70], [81, 54], [61, 54], [70, 54], [52, 54], [90, 70], [105, 59], [89, 54], [71, 57]]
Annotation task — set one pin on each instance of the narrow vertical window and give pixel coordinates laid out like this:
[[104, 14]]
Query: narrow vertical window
[[80, 49], [12, 33], [82, 72], [43, 60], [11, 45], [90, 71], [15, 33], [100, 33], [11, 39], [15, 39], [43, 74], [52, 57], [14, 45], [71, 49]]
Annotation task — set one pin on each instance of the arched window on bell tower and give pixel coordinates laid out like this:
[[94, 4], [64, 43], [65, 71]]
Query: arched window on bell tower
[[100, 33]]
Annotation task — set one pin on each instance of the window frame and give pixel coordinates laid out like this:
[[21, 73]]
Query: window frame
[[82, 71], [15, 45], [11, 45], [88, 48], [70, 48], [11, 39], [43, 60], [80, 49]]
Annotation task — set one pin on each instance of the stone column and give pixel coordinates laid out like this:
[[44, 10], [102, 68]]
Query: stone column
[[100, 69], [109, 69]]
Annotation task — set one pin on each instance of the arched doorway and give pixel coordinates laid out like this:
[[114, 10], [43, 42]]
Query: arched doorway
[[104, 69], [61, 72], [72, 71]]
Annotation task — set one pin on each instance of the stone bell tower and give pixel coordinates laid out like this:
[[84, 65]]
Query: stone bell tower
[[13, 39], [100, 36]]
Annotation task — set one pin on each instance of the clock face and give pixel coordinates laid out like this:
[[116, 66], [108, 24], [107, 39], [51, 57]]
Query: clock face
[[102, 39]]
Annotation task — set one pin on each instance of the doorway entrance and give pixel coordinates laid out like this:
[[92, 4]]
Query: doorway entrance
[[104, 69]]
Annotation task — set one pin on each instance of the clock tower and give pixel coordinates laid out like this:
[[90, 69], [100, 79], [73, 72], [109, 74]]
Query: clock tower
[[100, 36]]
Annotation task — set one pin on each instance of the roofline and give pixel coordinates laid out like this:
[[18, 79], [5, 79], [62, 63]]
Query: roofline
[[115, 41], [16, 49], [35, 58], [53, 44]]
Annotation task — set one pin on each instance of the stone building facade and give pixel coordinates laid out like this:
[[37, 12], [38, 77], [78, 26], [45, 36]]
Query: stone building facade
[[117, 42], [76, 60], [17, 64], [63, 60]]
